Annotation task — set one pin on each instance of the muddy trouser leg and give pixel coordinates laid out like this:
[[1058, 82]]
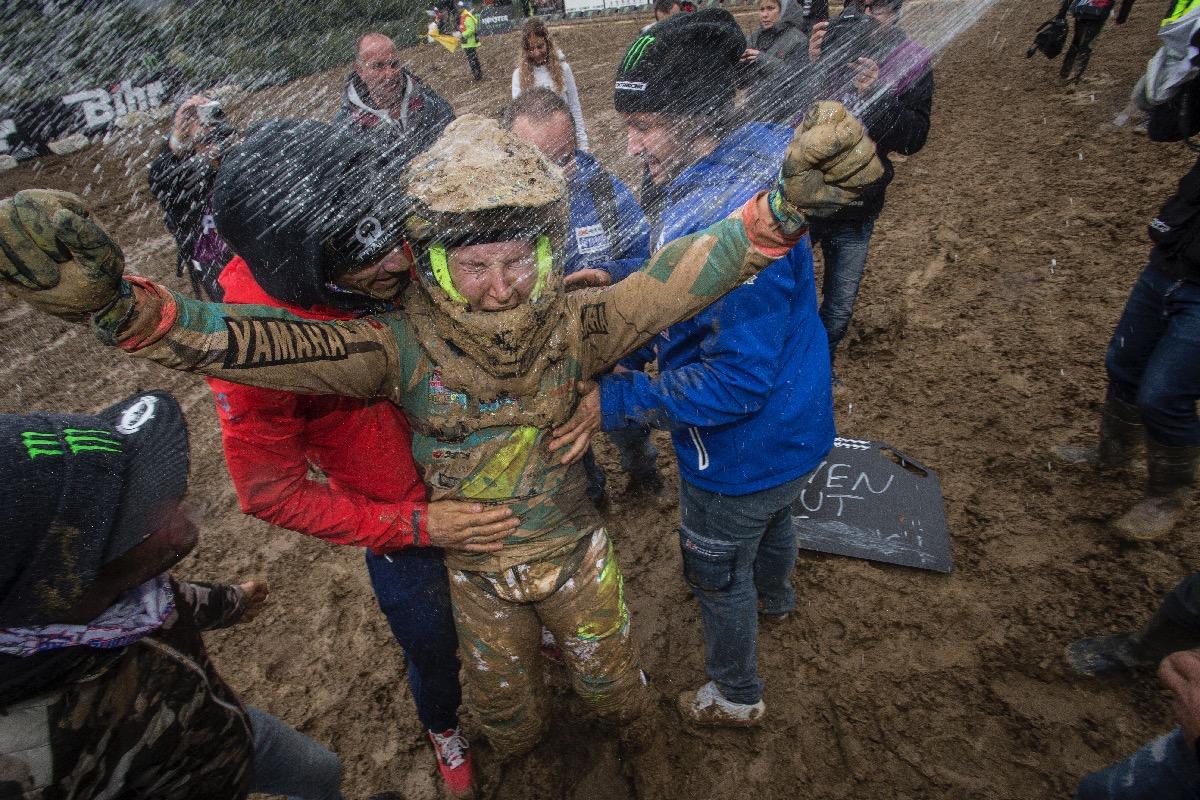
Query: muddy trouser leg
[[498, 643], [1090, 29], [1182, 604], [1073, 50], [1153, 356], [413, 593], [597, 481], [844, 246], [473, 60], [774, 563], [588, 616], [639, 456], [721, 537]]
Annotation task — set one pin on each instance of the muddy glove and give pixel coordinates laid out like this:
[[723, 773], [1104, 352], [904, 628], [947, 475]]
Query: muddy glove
[[829, 163], [54, 257]]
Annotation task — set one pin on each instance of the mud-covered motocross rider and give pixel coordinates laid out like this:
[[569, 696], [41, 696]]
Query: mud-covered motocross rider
[[485, 359]]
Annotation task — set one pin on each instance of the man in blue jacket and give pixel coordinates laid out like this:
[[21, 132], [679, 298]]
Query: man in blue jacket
[[608, 239], [744, 387]]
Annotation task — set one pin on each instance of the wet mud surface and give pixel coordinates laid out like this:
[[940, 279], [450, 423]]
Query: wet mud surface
[[997, 272]]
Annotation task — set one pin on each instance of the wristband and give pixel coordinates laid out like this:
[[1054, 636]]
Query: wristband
[[791, 219], [109, 320]]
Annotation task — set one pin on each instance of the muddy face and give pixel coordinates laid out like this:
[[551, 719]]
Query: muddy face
[[495, 276]]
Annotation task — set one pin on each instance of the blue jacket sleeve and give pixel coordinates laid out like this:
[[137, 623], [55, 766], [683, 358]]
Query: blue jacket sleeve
[[739, 356], [638, 359], [632, 249]]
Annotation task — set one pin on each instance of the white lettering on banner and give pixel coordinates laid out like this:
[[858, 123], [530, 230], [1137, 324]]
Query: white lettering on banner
[[7, 129], [97, 107], [101, 107]]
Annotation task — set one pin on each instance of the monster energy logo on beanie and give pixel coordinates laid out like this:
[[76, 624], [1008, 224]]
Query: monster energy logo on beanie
[[688, 66], [635, 52]]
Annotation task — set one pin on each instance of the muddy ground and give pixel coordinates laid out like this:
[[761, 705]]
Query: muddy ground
[[997, 272]]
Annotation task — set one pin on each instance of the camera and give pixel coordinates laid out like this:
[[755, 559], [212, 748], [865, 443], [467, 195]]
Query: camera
[[847, 36]]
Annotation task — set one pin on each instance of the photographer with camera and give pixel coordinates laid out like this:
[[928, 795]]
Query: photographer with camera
[[1153, 359], [181, 179], [885, 79]]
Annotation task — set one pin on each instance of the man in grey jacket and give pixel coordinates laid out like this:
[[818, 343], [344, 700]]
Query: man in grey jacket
[[385, 101]]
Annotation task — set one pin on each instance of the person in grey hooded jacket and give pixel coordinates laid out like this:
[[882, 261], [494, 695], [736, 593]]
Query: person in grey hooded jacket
[[775, 55]]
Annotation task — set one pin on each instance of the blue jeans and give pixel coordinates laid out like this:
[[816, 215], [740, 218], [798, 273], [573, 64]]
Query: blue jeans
[[289, 763], [738, 554], [1154, 357], [844, 248], [414, 594], [1165, 769]]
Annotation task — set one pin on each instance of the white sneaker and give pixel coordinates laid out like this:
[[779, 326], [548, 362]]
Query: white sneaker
[[707, 706]]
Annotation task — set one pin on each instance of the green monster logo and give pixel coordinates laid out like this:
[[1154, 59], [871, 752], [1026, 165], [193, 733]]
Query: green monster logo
[[79, 440], [635, 52]]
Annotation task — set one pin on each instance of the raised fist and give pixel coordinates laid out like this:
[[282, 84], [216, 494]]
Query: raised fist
[[829, 162], [53, 256]]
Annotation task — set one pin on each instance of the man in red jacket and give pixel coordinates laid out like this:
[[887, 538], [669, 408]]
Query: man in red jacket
[[297, 202]]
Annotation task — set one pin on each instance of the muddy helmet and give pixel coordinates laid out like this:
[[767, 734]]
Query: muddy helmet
[[480, 184]]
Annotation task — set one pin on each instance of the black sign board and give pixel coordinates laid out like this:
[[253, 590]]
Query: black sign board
[[869, 500], [495, 19]]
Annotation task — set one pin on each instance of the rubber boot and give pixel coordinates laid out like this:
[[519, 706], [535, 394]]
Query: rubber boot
[[1120, 433], [1171, 476], [1121, 652]]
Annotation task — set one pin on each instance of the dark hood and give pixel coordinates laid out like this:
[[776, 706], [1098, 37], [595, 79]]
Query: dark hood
[[301, 201]]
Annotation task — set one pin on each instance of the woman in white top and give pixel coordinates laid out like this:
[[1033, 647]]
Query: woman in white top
[[543, 64]]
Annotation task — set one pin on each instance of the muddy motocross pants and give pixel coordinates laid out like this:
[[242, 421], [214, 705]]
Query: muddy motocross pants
[[580, 598]]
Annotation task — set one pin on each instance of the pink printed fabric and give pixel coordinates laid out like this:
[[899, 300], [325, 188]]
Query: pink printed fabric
[[137, 612], [904, 66]]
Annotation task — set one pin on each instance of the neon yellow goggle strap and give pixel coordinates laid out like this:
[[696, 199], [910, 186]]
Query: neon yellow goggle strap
[[441, 272], [545, 260], [440, 265]]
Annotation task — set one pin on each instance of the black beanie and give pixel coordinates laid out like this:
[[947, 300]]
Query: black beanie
[[302, 202], [686, 64], [79, 491]]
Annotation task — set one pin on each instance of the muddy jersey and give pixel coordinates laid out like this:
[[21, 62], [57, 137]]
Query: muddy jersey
[[500, 458]]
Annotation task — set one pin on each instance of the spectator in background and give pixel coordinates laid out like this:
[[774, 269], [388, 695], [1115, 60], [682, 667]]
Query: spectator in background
[[541, 63], [1089, 16], [888, 85], [181, 179], [810, 12], [388, 103], [468, 34], [106, 688], [662, 10], [607, 238], [775, 55]]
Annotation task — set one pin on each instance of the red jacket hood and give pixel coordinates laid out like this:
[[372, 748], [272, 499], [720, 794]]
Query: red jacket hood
[[241, 288]]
